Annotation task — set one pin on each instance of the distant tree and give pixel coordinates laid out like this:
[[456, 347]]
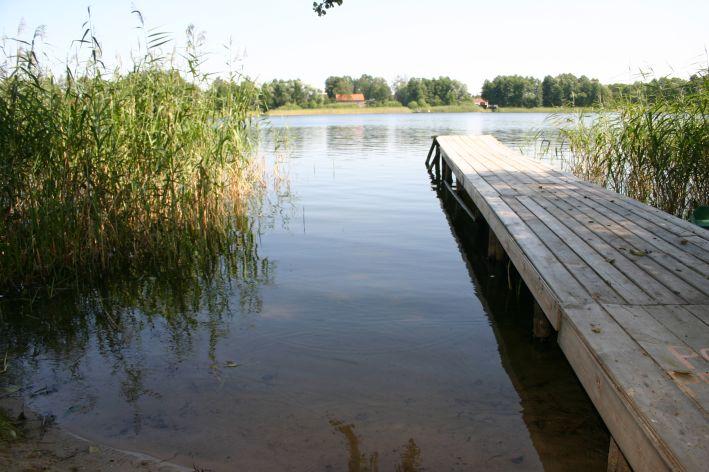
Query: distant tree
[[373, 88], [567, 90], [440, 91], [630, 92], [551, 92], [335, 85], [278, 93], [412, 90], [568, 83], [513, 91], [322, 7], [668, 87]]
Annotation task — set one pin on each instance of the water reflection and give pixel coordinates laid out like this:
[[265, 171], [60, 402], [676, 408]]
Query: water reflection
[[567, 431], [117, 321], [410, 455], [340, 329]]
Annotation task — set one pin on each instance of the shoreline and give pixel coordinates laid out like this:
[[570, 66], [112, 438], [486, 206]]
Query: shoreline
[[406, 110], [41, 444]]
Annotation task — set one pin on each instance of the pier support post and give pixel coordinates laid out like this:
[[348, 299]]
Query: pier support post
[[616, 459], [448, 174], [437, 163], [541, 328], [495, 251]]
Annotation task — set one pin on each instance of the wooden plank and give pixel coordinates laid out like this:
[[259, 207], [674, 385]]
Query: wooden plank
[[665, 294], [599, 287], [675, 225], [524, 249], [651, 402], [681, 362], [700, 311], [610, 264], [663, 285], [679, 278], [596, 286], [672, 230], [655, 234], [641, 357], [681, 229], [523, 164], [683, 324], [616, 459], [698, 241]]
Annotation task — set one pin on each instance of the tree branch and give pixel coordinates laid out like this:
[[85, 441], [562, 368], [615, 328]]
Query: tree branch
[[322, 7]]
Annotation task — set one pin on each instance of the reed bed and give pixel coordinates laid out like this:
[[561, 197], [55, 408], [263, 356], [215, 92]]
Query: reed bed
[[114, 171], [654, 148]]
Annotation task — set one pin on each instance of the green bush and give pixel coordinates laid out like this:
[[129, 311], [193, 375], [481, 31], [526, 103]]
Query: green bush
[[386, 103], [290, 106]]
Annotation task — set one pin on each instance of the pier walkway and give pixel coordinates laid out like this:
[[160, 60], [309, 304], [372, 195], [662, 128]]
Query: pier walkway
[[625, 286]]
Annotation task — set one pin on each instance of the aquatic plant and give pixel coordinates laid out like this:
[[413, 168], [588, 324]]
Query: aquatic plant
[[8, 432], [654, 148], [107, 170]]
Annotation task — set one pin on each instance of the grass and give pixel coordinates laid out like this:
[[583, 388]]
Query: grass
[[345, 109], [544, 110], [8, 432], [342, 110], [104, 171], [460, 108], [655, 149]]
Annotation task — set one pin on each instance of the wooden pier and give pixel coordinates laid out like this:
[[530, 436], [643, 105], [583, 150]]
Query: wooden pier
[[626, 287]]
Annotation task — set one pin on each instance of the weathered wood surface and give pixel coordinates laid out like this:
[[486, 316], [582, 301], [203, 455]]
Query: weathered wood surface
[[625, 285]]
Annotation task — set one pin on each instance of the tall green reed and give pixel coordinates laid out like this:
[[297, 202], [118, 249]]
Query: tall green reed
[[654, 148], [103, 171]]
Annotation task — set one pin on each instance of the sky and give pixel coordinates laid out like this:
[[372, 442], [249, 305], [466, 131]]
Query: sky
[[468, 40]]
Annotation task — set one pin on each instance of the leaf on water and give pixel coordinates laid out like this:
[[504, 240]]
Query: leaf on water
[[231, 364]]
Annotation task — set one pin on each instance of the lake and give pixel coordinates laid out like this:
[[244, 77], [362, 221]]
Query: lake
[[362, 331]]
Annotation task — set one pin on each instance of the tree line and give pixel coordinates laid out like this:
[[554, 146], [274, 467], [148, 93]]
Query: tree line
[[415, 92], [563, 90], [528, 92], [431, 92], [567, 90]]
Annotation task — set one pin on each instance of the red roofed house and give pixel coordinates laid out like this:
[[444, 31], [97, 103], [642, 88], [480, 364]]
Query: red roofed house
[[353, 98], [481, 102]]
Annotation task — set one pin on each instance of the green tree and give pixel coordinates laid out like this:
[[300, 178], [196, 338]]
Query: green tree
[[513, 91], [335, 85], [278, 93], [440, 91], [551, 92], [373, 88]]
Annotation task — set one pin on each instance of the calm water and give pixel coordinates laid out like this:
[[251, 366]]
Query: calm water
[[362, 333]]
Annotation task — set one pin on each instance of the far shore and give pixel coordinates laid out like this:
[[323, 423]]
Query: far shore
[[403, 110]]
